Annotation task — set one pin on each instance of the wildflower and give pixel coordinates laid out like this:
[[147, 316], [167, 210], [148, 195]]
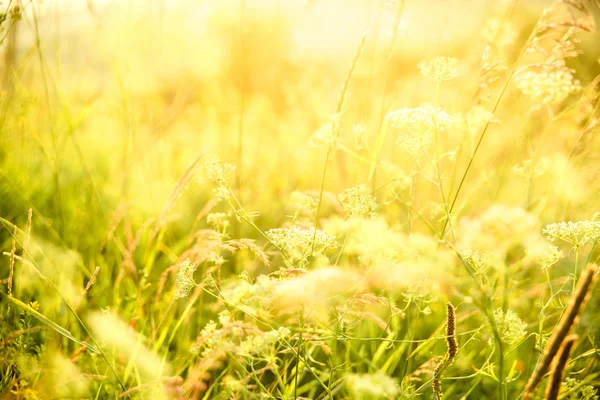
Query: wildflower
[[264, 343], [185, 280], [420, 124], [299, 242], [548, 256], [576, 233], [439, 69], [498, 229], [372, 386], [215, 170], [222, 193], [305, 202], [510, 327], [210, 334], [246, 295], [480, 262], [233, 385], [532, 168], [357, 203], [549, 85], [225, 317], [218, 220], [476, 118], [316, 290], [577, 391]]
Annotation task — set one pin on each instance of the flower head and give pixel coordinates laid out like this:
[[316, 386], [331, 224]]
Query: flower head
[[576, 233], [215, 170], [532, 168], [357, 202], [480, 262], [185, 280], [547, 256], [372, 386], [549, 85], [579, 391], [298, 242], [419, 124], [218, 220], [439, 69], [476, 118], [510, 327]]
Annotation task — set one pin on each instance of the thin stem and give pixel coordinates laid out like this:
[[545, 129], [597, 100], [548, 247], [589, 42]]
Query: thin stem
[[487, 125], [335, 133], [437, 169]]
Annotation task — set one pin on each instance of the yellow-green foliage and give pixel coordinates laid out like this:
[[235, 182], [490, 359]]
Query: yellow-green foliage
[[310, 199]]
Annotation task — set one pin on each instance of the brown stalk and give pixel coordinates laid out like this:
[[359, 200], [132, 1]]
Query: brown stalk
[[553, 387], [565, 324]]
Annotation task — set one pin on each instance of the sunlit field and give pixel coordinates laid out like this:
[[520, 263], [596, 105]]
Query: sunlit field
[[299, 199]]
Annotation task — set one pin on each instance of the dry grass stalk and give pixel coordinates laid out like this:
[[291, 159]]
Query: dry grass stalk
[[565, 324], [91, 281], [553, 387]]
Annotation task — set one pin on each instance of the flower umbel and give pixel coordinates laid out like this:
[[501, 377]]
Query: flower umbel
[[576, 233], [510, 327], [420, 124], [357, 202], [548, 85], [215, 170], [549, 257], [185, 280], [439, 69], [218, 220], [372, 386], [298, 242], [532, 168]]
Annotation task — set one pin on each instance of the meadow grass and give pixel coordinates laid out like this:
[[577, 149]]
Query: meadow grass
[[317, 199]]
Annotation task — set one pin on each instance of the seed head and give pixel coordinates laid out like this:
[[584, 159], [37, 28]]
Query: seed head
[[451, 332]]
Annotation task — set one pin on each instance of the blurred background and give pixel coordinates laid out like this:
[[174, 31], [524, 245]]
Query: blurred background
[[104, 104]]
